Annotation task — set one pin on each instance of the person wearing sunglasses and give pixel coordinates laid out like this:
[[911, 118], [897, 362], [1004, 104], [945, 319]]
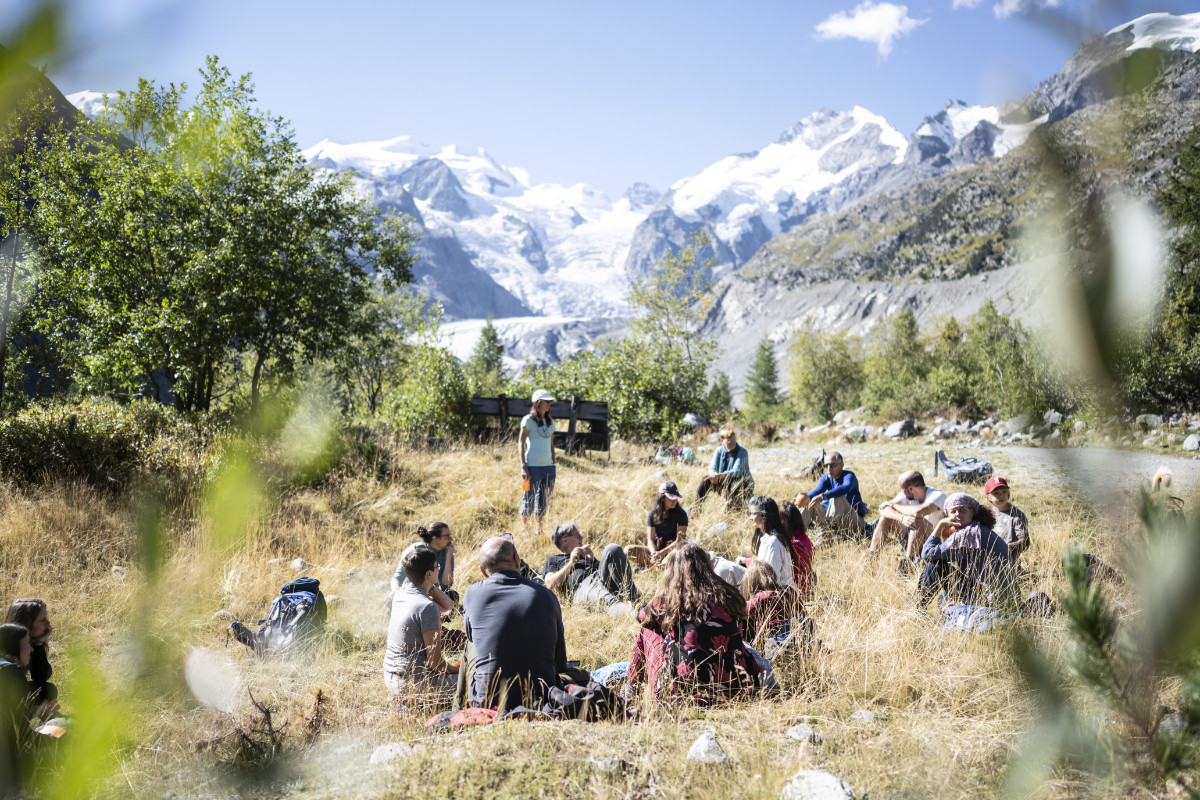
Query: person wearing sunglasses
[[835, 505]]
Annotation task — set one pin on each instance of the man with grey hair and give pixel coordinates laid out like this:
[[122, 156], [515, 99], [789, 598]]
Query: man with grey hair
[[606, 581], [836, 503], [515, 629]]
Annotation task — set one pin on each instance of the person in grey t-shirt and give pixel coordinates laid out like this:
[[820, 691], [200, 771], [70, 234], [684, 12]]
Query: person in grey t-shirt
[[413, 663]]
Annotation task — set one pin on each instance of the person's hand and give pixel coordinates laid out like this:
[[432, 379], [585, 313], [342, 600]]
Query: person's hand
[[909, 521], [525, 471], [656, 558], [449, 549], [576, 554]]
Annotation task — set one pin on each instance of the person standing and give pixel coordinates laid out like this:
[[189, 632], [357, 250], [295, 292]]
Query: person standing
[[536, 450]]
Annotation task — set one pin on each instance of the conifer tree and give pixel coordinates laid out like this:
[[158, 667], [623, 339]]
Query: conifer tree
[[485, 367], [762, 381]]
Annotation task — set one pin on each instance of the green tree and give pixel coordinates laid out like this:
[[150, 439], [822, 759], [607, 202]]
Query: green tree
[[719, 402], [23, 133], [762, 382], [952, 375], [825, 371], [208, 242], [485, 367], [372, 360], [896, 365], [434, 397]]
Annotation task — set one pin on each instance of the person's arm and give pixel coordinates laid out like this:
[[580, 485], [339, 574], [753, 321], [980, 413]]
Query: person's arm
[[822, 487], [680, 540], [446, 577], [39, 666], [433, 653], [716, 462], [557, 579], [636, 674], [553, 459], [442, 600], [770, 550], [524, 435], [895, 513], [398, 577], [650, 538], [935, 550], [1020, 534], [943, 529]]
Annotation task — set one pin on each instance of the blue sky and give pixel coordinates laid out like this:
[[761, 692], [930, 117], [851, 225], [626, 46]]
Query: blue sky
[[605, 94]]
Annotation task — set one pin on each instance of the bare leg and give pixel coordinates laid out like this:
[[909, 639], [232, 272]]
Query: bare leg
[[540, 521], [917, 537], [886, 529]]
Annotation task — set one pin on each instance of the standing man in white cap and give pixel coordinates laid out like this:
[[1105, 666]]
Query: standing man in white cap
[[536, 449]]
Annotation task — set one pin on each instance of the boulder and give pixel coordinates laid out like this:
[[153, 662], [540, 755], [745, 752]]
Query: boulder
[[1052, 418], [391, 751], [707, 750], [300, 564], [1017, 424], [1174, 439], [695, 421], [804, 733], [1171, 726], [901, 429], [608, 764], [1147, 421], [856, 434], [1149, 441], [862, 715], [1194, 425], [713, 437], [1080, 426], [816, 784], [842, 416], [1192, 442]]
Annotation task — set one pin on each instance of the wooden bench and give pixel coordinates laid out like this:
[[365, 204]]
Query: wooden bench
[[574, 410]]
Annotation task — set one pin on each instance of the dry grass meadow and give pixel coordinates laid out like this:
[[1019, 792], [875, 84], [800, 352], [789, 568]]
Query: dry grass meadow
[[949, 709]]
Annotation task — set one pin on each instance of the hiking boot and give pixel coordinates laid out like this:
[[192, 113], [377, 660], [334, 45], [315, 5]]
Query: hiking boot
[[905, 566]]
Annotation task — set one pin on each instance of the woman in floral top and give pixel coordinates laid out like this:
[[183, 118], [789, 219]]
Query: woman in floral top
[[700, 619]]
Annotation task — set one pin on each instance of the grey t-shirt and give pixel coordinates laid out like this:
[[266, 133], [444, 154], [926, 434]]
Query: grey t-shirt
[[413, 613]]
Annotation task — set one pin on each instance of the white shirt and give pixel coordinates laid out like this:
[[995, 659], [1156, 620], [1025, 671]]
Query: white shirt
[[935, 496], [779, 556]]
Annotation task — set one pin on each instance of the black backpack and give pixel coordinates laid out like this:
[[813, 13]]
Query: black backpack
[[296, 616], [968, 470]]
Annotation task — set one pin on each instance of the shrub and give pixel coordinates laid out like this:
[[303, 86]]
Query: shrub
[[825, 372], [105, 443], [435, 397]]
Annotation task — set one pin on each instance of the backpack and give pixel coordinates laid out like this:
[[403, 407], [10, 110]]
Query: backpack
[[296, 616], [968, 470]]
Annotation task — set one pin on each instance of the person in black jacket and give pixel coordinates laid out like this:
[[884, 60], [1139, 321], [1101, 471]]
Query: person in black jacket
[[35, 617], [16, 735]]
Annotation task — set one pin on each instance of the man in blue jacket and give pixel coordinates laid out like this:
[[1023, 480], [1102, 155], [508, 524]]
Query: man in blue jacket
[[729, 474], [835, 504]]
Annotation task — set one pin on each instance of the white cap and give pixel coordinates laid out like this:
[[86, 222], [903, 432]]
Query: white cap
[[542, 394]]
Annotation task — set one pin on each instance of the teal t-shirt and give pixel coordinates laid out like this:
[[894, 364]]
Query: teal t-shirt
[[538, 442]]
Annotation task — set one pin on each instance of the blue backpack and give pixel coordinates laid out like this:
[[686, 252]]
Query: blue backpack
[[297, 615]]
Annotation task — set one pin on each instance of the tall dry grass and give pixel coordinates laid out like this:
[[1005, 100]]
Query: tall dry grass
[[948, 708]]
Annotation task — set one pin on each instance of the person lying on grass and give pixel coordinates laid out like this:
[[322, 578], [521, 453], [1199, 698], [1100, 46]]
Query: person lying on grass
[[700, 619], [966, 559], [413, 663], [578, 574]]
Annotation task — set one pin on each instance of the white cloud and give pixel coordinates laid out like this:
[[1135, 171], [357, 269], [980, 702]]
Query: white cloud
[[1006, 8], [878, 23], [966, 3]]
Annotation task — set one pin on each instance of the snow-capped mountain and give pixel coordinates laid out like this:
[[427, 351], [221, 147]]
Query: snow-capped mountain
[[549, 250]]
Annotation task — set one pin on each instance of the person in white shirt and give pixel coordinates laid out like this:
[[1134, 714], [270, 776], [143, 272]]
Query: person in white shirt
[[770, 543], [910, 515]]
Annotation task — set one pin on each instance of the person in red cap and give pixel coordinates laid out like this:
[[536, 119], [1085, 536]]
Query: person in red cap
[[1011, 523]]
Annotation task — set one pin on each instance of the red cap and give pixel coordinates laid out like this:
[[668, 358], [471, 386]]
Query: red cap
[[992, 483]]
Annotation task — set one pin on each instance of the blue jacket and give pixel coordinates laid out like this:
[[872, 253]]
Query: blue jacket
[[846, 487], [734, 462]]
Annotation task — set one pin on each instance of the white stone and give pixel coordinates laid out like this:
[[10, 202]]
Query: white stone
[[1149, 441], [608, 763], [1192, 442], [222, 614], [1148, 421], [815, 784], [1080, 426], [707, 750], [300, 563], [620, 610], [1017, 424], [804, 733], [391, 751], [277, 561], [1052, 417], [862, 715], [118, 570], [333, 600]]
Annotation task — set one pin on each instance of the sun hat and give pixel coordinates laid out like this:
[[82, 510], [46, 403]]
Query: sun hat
[[669, 489], [542, 394], [993, 483]]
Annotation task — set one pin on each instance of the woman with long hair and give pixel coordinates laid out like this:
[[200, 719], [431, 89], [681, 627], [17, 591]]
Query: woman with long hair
[[16, 710], [770, 541], [34, 616], [666, 524], [700, 619], [802, 549], [535, 446]]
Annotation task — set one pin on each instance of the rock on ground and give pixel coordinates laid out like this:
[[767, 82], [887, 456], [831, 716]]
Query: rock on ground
[[391, 751], [707, 750], [1191, 443], [804, 733], [862, 715], [815, 784]]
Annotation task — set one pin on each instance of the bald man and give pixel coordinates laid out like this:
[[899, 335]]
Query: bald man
[[909, 515], [835, 503], [516, 630]]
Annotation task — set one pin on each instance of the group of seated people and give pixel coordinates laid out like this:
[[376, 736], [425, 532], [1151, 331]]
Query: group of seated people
[[27, 697], [706, 627]]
